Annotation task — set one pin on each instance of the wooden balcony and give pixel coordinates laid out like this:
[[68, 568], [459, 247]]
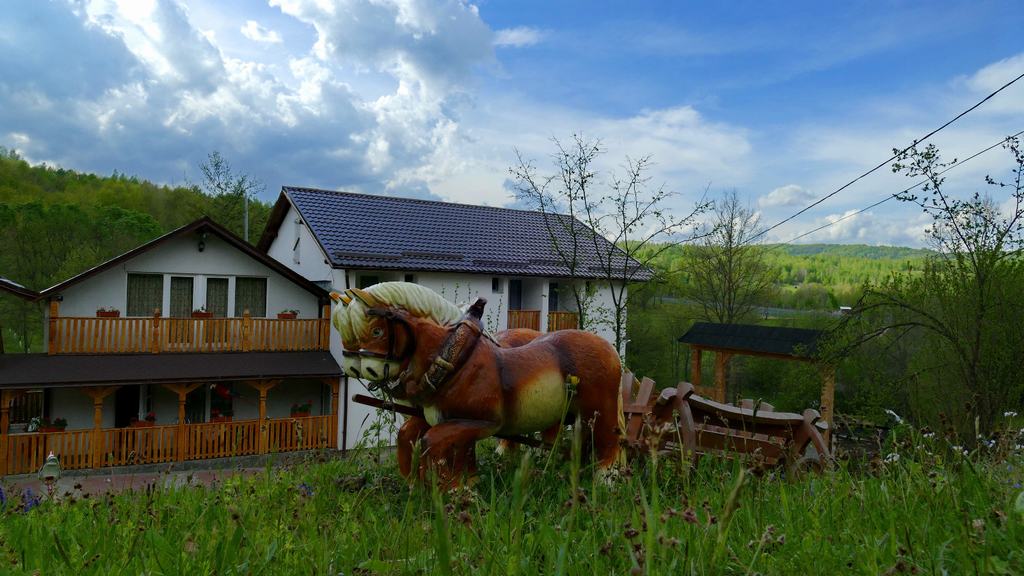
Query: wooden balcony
[[531, 319], [562, 321], [524, 319], [78, 449], [154, 334]]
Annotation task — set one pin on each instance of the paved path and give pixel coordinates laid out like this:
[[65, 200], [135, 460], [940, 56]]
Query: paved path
[[100, 483]]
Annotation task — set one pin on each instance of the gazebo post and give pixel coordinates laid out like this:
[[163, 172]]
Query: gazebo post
[[721, 359], [828, 398], [695, 366]]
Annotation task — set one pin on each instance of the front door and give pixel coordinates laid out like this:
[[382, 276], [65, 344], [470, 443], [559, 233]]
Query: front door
[[126, 405], [515, 294]]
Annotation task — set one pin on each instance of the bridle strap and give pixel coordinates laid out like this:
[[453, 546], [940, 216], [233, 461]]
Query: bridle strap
[[453, 353]]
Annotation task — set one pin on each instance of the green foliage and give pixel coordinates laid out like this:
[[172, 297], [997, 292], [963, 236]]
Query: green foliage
[[929, 510]]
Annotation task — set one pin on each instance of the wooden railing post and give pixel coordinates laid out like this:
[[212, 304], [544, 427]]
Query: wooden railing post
[[246, 331], [51, 338], [5, 422], [325, 329], [154, 343], [721, 359]]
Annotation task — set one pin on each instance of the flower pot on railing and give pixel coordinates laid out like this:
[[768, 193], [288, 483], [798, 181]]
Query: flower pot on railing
[[220, 418], [108, 313], [287, 315], [142, 424], [300, 414], [202, 314]]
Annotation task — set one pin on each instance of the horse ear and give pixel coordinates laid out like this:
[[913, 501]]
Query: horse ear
[[366, 298], [477, 309]]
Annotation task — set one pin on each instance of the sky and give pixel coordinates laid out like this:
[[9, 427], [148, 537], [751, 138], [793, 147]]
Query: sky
[[783, 102]]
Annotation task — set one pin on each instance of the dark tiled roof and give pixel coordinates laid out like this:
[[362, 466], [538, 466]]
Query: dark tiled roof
[[796, 342], [384, 232], [31, 370]]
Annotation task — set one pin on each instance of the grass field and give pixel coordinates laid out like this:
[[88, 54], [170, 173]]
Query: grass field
[[929, 510]]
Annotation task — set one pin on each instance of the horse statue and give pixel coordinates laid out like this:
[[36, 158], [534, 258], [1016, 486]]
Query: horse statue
[[423, 351]]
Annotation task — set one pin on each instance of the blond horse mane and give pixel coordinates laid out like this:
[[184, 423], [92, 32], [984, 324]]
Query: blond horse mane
[[352, 321]]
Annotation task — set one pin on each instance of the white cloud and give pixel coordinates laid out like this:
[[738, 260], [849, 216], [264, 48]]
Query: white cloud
[[788, 195], [518, 37], [253, 31]]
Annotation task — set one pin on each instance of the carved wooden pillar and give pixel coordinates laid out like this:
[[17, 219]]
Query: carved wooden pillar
[[98, 394], [181, 434], [263, 386], [51, 336], [6, 396], [335, 416]]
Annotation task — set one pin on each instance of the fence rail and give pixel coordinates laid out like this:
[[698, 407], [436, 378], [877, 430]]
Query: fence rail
[[81, 335], [524, 319], [160, 444], [562, 321]]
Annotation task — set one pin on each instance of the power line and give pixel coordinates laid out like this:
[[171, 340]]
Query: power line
[[891, 196], [883, 163]]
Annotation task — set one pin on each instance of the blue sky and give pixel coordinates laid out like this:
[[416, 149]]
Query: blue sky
[[782, 101]]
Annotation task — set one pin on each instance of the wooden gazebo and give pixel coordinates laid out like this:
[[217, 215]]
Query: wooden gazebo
[[727, 340]]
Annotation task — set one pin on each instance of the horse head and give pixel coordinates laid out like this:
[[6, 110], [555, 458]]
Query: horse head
[[376, 327]]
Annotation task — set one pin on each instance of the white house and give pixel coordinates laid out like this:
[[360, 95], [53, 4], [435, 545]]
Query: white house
[[341, 240], [213, 341]]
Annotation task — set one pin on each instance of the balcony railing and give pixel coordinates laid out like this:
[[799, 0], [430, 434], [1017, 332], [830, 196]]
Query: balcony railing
[[562, 321], [81, 335], [531, 319], [524, 319], [160, 444]]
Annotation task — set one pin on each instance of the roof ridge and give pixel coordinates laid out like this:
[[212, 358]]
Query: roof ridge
[[420, 200]]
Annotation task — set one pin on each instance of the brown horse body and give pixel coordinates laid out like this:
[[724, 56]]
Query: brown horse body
[[470, 387]]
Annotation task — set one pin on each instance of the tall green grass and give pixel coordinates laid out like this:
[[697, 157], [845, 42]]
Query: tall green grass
[[931, 511]]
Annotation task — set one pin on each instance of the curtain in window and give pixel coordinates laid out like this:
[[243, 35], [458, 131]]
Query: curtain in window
[[181, 296], [145, 294], [251, 295], [217, 297]]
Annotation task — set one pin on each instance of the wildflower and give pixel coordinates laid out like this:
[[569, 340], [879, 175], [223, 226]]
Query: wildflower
[[1010, 414], [305, 490], [29, 500], [892, 458], [3, 497], [895, 416], [928, 435], [990, 443]]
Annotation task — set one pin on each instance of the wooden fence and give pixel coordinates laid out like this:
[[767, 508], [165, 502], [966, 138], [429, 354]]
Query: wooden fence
[[524, 319], [159, 444], [78, 335], [562, 321]]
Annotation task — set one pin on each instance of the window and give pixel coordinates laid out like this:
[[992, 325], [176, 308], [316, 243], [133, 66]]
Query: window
[[145, 294], [515, 294], [553, 297], [251, 295], [181, 296], [295, 250], [217, 297], [410, 278], [365, 281], [496, 285]]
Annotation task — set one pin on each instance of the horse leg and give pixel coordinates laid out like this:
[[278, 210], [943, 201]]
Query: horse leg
[[449, 449], [408, 438]]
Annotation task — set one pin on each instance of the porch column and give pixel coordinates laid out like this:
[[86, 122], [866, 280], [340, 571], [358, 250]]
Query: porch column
[[335, 384], [721, 359], [695, 366], [828, 398], [263, 386], [98, 393], [6, 397], [544, 305], [51, 328], [181, 441]]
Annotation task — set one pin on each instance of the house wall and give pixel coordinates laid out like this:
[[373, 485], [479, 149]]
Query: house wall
[[76, 407], [245, 400], [180, 257]]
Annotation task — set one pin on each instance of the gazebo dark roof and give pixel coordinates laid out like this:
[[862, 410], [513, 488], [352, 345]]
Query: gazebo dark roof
[[799, 343], [388, 233]]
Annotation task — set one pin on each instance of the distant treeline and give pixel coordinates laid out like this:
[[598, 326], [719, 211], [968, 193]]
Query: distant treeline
[[55, 223]]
